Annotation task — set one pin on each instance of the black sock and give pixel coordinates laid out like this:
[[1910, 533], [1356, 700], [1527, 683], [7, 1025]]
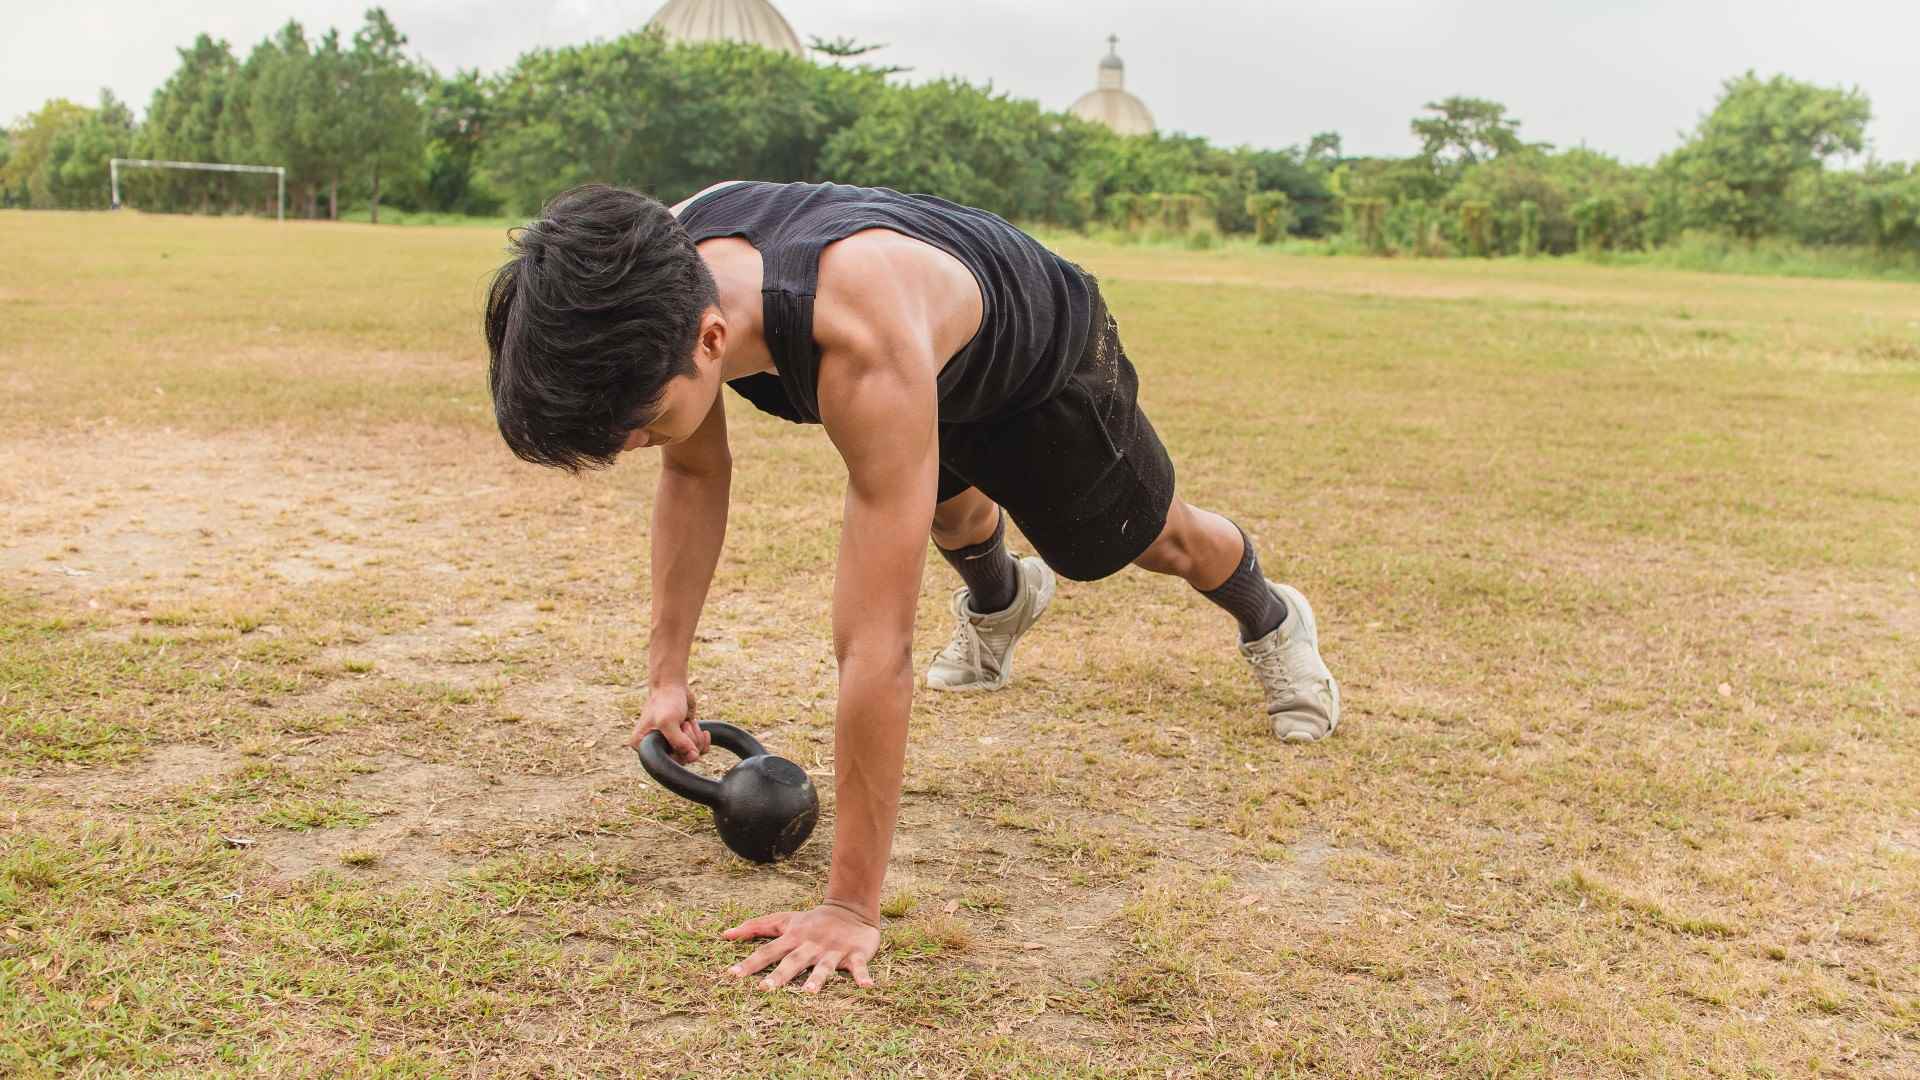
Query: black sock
[[990, 573], [1248, 598]]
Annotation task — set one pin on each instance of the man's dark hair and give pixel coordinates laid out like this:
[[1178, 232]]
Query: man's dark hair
[[595, 313]]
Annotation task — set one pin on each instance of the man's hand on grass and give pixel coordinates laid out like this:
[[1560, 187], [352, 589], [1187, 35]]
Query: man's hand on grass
[[673, 712], [827, 939]]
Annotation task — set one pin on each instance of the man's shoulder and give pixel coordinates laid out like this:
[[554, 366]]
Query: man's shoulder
[[859, 300], [681, 206], [886, 292], [864, 258]]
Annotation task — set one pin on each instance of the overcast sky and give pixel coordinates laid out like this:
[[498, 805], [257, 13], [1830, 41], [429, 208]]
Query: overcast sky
[[1619, 75]]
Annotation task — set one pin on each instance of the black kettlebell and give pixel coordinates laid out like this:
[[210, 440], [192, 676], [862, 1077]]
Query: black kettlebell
[[764, 807]]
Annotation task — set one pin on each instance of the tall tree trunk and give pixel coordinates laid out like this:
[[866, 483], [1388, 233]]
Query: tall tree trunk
[[313, 201], [376, 194], [333, 199]]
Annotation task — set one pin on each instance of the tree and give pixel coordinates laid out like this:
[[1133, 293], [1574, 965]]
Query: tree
[[1302, 176], [459, 118], [735, 110], [1109, 166], [279, 75], [668, 119], [1893, 206], [1324, 149], [6, 152], [57, 157], [382, 105], [184, 123], [298, 96], [1553, 185], [1735, 170], [333, 128], [1831, 207], [567, 116], [235, 139], [32, 145], [1396, 180], [964, 142], [846, 48], [77, 159], [1466, 132]]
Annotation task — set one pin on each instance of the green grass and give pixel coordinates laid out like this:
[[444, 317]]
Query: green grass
[[312, 699], [1716, 254], [393, 216], [1695, 252]]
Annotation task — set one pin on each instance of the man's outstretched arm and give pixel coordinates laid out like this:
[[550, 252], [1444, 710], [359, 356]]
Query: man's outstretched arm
[[878, 404], [689, 526], [886, 434]]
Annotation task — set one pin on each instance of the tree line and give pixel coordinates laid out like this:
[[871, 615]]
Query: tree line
[[360, 123]]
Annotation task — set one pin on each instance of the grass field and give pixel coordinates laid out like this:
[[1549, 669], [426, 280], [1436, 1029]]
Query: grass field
[[313, 698]]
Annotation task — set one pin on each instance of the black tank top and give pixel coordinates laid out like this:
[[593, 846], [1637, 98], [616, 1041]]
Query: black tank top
[[1036, 306]]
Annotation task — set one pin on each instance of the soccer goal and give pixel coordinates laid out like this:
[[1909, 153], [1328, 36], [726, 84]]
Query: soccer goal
[[114, 165]]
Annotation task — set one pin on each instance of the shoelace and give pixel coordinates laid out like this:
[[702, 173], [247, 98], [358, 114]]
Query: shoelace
[[966, 644], [1276, 680]]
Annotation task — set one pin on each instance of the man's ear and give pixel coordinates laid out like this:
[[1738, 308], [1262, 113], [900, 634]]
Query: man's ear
[[712, 342]]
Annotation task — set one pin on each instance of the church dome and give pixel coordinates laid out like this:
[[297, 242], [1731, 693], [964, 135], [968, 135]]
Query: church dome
[[752, 22], [1109, 103]]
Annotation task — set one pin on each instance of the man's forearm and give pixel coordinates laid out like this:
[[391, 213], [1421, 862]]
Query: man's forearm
[[870, 749], [689, 526]]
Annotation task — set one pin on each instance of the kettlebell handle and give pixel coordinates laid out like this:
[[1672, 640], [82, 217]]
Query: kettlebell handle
[[657, 758]]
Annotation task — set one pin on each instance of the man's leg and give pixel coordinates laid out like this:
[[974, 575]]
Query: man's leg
[[1278, 634], [1002, 599], [971, 532], [1211, 554]]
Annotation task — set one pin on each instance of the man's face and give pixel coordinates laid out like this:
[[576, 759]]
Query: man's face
[[683, 407], [687, 400]]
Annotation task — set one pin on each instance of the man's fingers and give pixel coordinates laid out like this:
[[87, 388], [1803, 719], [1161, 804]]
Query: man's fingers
[[686, 749], [697, 735], [823, 970], [764, 955], [765, 926], [858, 968], [794, 964]]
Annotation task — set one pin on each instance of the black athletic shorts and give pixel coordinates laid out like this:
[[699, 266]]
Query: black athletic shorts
[[1082, 473]]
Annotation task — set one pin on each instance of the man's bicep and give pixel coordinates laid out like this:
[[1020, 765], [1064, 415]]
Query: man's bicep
[[880, 416], [882, 420]]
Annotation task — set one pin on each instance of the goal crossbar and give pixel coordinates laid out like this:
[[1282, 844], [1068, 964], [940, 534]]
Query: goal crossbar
[[113, 169]]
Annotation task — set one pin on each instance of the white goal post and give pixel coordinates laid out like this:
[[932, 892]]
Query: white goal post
[[113, 169]]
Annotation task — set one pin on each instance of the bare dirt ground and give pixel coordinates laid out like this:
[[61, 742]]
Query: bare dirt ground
[[316, 701]]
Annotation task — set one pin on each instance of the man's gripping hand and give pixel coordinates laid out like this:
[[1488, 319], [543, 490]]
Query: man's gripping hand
[[673, 712]]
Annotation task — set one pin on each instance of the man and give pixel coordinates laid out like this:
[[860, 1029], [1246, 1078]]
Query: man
[[960, 368]]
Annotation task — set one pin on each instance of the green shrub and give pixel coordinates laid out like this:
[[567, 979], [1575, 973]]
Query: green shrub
[[1366, 222], [1476, 227], [1598, 219], [1529, 239], [1272, 214]]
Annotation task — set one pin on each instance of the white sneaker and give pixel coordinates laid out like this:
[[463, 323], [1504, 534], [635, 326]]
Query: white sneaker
[[1302, 697], [980, 656]]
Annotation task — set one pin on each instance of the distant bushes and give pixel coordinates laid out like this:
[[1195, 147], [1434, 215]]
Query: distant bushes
[[359, 123]]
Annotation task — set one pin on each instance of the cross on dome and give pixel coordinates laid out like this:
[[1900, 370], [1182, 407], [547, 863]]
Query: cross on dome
[[1109, 103]]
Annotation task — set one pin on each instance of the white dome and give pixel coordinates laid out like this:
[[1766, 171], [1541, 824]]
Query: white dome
[[1109, 103], [753, 22], [1117, 109]]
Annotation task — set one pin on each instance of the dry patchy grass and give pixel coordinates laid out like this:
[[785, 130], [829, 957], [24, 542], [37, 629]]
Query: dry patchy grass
[[313, 699]]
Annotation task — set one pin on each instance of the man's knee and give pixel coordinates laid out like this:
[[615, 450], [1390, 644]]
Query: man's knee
[[1172, 551], [965, 519]]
